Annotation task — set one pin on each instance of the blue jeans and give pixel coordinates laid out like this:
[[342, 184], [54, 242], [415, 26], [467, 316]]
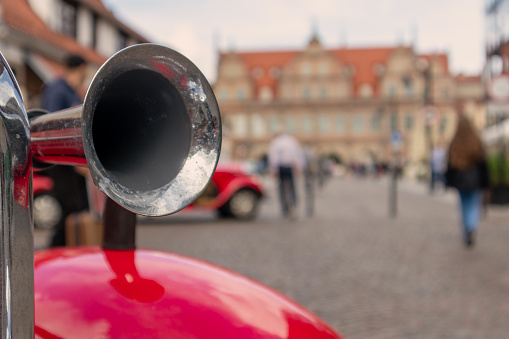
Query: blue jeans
[[287, 189], [470, 210], [436, 177]]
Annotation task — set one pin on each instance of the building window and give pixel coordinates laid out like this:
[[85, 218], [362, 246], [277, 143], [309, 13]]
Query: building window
[[409, 88], [445, 92], [394, 122], [340, 124], [258, 125], [443, 124], [376, 122], [306, 93], [273, 125], [223, 94], [357, 124], [69, 18], [241, 94], [240, 125], [307, 125], [323, 92], [290, 125], [324, 124], [409, 121]]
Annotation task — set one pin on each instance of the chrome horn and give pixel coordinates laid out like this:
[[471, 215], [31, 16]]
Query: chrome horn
[[149, 131]]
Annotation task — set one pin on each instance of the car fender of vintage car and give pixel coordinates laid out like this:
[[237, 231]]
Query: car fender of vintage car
[[229, 180], [100, 293]]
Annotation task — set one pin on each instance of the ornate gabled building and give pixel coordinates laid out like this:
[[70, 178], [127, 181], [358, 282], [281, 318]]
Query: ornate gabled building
[[35, 35], [346, 102]]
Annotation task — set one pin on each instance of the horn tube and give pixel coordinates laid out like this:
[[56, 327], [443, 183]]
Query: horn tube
[[149, 131]]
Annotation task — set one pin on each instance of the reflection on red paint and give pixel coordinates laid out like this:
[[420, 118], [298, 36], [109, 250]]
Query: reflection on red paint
[[164, 69], [128, 281], [183, 82], [93, 293]]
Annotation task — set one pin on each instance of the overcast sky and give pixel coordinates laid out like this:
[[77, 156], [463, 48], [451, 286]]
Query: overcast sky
[[196, 27]]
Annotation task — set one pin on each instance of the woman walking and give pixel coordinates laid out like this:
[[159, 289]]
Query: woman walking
[[468, 173]]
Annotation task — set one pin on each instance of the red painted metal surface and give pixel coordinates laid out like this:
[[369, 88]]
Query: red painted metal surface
[[94, 293], [229, 179], [229, 182], [42, 183]]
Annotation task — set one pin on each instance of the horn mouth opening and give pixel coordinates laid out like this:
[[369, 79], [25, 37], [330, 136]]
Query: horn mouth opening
[[151, 130], [141, 130]]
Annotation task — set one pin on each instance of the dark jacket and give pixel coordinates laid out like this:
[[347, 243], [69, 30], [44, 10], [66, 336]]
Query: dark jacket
[[470, 179], [59, 95]]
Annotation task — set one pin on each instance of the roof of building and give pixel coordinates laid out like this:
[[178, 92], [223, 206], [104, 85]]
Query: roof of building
[[19, 16], [266, 61], [98, 6], [363, 60]]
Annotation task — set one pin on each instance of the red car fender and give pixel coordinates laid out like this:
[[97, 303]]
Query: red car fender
[[95, 293], [235, 184]]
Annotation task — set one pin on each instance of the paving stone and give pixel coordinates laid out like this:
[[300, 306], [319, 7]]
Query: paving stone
[[366, 274]]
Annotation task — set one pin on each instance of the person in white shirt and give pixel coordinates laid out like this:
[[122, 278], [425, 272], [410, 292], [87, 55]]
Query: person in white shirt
[[285, 160]]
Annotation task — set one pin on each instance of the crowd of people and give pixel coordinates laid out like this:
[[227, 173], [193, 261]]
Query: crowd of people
[[462, 166]]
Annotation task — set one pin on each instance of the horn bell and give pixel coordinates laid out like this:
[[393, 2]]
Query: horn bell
[[151, 130]]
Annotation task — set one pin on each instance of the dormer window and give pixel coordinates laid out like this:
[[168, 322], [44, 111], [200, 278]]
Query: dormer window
[[275, 72], [69, 18], [257, 72], [379, 69]]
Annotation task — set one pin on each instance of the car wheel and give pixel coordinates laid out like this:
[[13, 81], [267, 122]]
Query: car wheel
[[48, 211], [243, 204]]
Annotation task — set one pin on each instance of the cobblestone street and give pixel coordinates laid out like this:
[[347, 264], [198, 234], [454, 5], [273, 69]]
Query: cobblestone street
[[367, 275]]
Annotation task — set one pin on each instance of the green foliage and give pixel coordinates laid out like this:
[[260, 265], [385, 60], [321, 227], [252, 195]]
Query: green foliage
[[498, 166]]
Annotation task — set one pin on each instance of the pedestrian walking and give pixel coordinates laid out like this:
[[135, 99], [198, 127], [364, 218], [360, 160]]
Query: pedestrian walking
[[310, 172], [438, 167], [69, 185], [467, 171], [286, 160]]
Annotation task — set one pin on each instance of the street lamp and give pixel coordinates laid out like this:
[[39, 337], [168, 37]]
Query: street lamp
[[425, 68], [429, 111]]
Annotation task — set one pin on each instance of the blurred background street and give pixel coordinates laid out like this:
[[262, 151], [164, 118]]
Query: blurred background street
[[366, 274]]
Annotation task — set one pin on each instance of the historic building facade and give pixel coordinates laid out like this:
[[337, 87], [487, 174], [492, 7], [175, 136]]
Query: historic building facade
[[35, 36], [346, 102]]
